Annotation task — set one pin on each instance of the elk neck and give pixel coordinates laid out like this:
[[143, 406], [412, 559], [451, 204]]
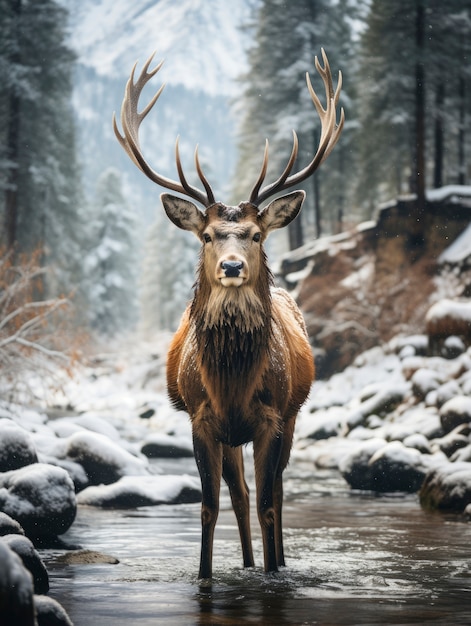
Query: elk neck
[[232, 329]]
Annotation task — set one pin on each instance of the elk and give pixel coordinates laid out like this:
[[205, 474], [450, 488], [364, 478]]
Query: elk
[[240, 362]]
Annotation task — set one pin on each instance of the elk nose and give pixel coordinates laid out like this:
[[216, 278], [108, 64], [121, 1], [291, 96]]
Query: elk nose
[[232, 269]]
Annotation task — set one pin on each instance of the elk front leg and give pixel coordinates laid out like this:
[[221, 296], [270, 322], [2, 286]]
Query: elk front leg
[[233, 474], [208, 455], [266, 458], [288, 431]]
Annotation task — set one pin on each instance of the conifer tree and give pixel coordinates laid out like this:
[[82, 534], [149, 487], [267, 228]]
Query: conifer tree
[[111, 263], [39, 174]]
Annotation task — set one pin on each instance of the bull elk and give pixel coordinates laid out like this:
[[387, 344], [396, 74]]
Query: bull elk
[[240, 362]]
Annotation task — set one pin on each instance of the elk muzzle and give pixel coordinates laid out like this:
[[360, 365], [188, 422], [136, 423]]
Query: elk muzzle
[[232, 272]]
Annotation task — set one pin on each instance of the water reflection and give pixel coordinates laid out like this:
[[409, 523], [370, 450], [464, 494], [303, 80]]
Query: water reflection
[[352, 559]]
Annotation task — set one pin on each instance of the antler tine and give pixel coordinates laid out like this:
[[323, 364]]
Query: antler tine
[[129, 140], [261, 177], [330, 133], [203, 179]]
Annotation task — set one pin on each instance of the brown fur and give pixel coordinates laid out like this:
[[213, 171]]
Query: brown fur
[[240, 364]]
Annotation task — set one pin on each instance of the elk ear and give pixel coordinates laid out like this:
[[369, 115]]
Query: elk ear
[[281, 211], [183, 213]]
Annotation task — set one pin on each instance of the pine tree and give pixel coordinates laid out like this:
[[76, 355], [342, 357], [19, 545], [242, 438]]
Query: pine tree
[[111, 263], [39, 172], [411, 87], [287, 37]]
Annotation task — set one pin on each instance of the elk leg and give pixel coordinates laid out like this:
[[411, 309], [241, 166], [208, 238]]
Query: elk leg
[[288, 431], [209, 461], [233, 474], [266, 457]]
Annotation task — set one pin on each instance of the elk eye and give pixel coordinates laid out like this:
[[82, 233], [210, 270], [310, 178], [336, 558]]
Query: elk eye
[[207, 238], [257, 237]]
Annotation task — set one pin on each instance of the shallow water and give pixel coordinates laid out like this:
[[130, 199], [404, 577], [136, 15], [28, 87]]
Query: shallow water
[[351, 559]]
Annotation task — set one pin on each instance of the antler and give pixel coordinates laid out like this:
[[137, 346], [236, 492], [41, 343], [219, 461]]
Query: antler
[[330, 134], [131, 120]]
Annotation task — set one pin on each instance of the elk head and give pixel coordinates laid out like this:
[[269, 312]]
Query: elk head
[[229, 268]]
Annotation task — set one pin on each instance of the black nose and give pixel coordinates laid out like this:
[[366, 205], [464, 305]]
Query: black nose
[[232, 268]]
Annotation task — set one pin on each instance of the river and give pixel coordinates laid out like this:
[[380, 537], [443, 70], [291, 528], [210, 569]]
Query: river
[[352, 558]]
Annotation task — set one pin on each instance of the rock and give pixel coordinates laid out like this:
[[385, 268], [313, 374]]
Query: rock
[[158, 445], [354, 467], [50, 613], [16, 590], [40, 497], [462, 454], [446, 392], [23, 547], [384, 467], [86, 557], [424, 381], [381, 403], [452, 347], [419, 442], [453, 441], [396, 468], [455, 412], [135, 491], [16, 446], [9, 526], [447, 487], [103, 460]]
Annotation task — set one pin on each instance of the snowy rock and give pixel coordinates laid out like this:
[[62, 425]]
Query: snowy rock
[[412, 345], [381, 403], [396, 468], [103, 460], [462, 454], [455, 412], [30, 558], [384, 467], [447, 487], [448, 318], [16, 446], [419, 442], [452, 441], [452, 347], [41, 497], [9, 526], [355, 468], [160, 445], [445, 392], [50, 613], [424, 381], [322, 424], [133, 491], [16, 590]]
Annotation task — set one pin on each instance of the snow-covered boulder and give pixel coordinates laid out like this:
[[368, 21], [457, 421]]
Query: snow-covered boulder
[[163, 446], [16, 446], [385, 468], [455, 412], [16, 590], [452, 441], [354, 466], [447, 487], [136, 491], [424, 381], [40, 497], [448, 318], [50, 613], [30, 558], [382, 402], [9, 526], [104, 461]]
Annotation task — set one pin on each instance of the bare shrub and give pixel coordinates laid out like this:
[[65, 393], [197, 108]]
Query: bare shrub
[[35, 350]]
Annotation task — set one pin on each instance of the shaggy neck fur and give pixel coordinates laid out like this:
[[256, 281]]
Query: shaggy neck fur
[[233, 327]]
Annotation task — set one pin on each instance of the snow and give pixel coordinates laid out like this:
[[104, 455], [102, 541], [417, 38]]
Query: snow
[[459, 250], [146, 490], [448, 192]]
